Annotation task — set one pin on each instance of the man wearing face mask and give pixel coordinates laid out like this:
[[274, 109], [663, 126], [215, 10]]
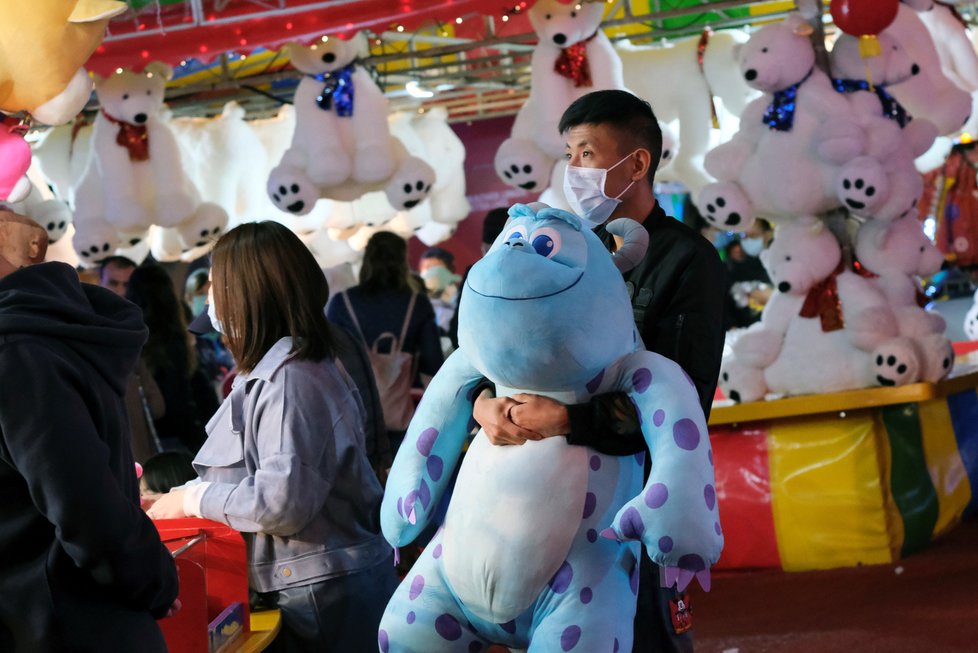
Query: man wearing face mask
[[613, 147], [83, 567]]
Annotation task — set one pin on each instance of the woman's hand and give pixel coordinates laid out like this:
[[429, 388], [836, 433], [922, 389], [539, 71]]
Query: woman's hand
[[168, 506]]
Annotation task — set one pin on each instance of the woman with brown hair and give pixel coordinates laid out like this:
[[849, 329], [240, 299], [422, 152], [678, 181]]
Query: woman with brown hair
[[397, 325], [284, 462]]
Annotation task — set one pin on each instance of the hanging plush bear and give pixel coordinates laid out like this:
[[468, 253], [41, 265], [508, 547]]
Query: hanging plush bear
[[342, 147], [134, 178], [573, 57], [540, 543], [52, 214]]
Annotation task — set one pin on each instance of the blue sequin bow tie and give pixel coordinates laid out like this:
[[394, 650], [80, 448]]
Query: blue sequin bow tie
[[339, 87], [892, 108], [780, 114]]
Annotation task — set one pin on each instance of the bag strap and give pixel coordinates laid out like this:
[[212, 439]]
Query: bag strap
[[353, 316], [407, 321]]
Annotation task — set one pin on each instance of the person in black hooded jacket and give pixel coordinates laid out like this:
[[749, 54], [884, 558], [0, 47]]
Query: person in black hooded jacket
[[82, 568]]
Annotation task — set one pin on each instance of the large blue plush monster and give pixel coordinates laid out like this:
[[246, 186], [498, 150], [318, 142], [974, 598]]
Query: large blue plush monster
[[540, 543]]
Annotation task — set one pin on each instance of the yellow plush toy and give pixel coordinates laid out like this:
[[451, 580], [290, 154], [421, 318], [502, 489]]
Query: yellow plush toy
[[43, 45]]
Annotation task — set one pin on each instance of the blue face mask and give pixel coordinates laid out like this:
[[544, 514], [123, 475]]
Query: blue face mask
[[752, 246], [198, 305]]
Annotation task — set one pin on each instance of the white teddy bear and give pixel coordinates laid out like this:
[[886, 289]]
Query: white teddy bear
[[342, 147], [897, 254], [971, 321], [883, 183], [134, 178], [827, 329], [784, 160], [950, 35], [695, 71], [573, 57]]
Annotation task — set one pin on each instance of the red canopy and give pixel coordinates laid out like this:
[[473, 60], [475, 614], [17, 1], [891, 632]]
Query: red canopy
[[175, 30]]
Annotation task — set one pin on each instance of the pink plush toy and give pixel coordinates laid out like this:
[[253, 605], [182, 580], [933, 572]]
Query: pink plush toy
[[15, 159]]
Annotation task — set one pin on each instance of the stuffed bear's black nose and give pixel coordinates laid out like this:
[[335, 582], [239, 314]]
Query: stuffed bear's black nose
[[140, 118], [329, 57], [784, 286], [750, 75], [560, 39], [914, 69]]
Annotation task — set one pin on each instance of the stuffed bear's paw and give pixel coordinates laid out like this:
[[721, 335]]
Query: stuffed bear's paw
[[291, 192], [54, 216], [522, 165], [937, 356], [410, 184], [725, 206], [741, 383], [862, 186], [173, 209], [94, 240], [208, 223], [896, 362]]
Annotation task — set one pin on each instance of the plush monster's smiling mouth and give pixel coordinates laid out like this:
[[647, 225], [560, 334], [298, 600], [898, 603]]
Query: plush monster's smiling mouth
[[515, 298]]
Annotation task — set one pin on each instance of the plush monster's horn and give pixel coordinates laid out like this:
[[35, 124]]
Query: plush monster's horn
[[636, 242]]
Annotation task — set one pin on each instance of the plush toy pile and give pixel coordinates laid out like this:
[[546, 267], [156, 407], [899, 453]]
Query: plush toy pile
[[812, 144], [540, 542]]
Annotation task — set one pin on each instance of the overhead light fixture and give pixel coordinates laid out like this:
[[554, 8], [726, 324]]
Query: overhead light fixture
[[414, 90]]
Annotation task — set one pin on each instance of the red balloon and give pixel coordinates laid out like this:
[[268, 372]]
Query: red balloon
[[861, 17]]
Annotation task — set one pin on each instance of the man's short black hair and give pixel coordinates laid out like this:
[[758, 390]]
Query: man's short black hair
[[493, 224], [118, 261], [631, 116], [442, 255]]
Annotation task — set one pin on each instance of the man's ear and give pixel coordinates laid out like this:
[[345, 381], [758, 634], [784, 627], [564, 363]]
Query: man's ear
[[642, 164]]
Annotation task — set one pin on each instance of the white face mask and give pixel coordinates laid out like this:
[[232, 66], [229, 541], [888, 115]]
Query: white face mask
[[212, 314], [584, 191]]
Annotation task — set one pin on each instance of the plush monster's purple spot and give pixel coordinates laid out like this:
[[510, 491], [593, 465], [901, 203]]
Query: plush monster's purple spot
[[586, 595], [632, 526], [593, 385], [384, 641], [691, 562], [475, 647], [416, 586], [665, 544], [640, 458], [656, 495], [592, 535], [570, 637], [595, 463], [710, 495], [642, 379], [562, 579], [411, 617], [590, 501], [633, 579], [424, 494], [447, 626], [427, 440], [686, 434], [716, 527], [709, 456], [437, 552], [409, 500], [615, 650], [400, 506], [658, 417], [435, 468], [509, 626]]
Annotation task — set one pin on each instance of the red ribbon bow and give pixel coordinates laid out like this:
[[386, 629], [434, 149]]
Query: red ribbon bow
[[573, 64], [134, 138], [823, 302]]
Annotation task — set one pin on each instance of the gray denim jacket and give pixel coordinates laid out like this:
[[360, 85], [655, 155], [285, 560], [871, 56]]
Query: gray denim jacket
[[285, 465]]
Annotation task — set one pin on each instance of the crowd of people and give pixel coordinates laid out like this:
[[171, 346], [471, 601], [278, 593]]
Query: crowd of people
[[254, 398]]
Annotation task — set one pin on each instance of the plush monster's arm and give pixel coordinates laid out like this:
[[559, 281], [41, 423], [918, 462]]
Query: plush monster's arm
[[676, 514], [430, 451]]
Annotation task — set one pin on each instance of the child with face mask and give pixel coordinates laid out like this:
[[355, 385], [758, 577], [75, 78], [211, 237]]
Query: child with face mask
[[613, 146]]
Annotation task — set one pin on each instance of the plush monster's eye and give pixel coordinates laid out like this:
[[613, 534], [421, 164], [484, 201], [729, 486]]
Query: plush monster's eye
[[546, 241], [516, 233]]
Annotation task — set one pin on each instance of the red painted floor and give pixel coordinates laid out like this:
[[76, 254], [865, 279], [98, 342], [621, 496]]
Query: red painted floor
[[926, 603]]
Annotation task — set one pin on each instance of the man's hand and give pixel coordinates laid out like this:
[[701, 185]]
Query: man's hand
[[175, 608], [539, 414], [493, 415], [168, 506]]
